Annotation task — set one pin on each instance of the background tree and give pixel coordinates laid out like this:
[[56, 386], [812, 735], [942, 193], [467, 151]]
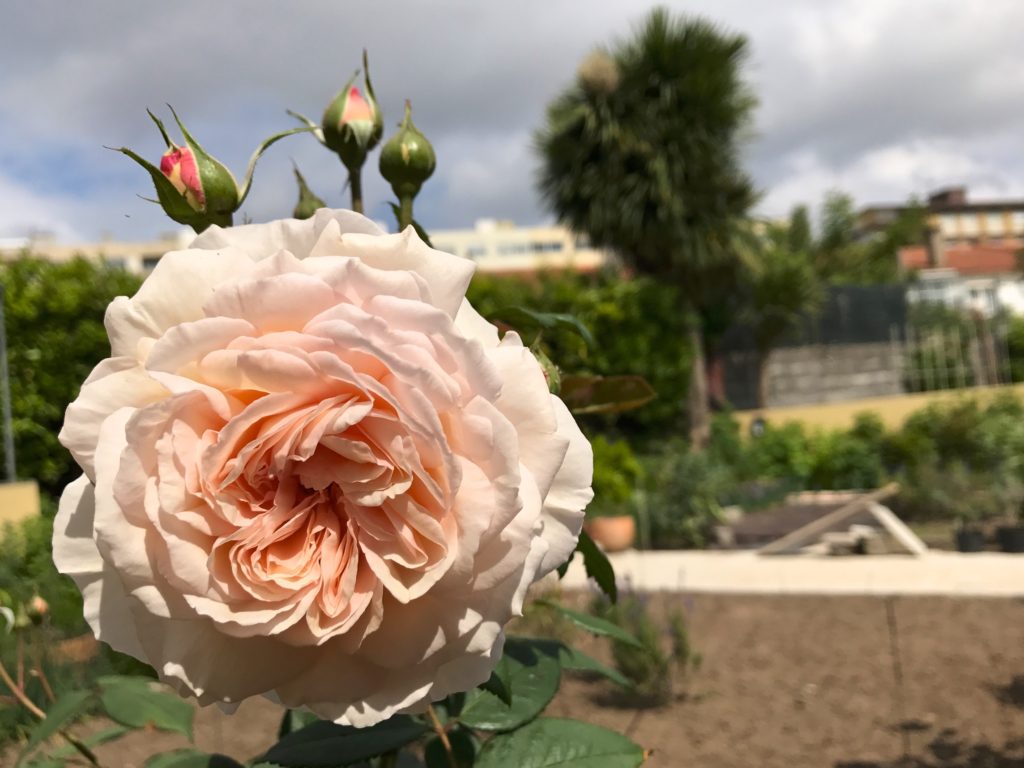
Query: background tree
[[642, 155], [55, 336], [845, 255], [782, 289]]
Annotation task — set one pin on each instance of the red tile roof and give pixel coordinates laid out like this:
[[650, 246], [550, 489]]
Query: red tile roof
[[966, 259]]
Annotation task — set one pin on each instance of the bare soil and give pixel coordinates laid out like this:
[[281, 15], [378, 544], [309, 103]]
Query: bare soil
[[844, 682]]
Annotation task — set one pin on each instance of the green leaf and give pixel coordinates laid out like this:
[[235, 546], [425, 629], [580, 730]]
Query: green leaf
[[564, 567], [598, 566], [533, 677], [93, 740], [563, 743], [499, 683], [326, 745], [463, 750], [62, 713], [523, 319], [593, 624], [139, 702], [190, 758], [605, 394], [577, 661], [294, 720]]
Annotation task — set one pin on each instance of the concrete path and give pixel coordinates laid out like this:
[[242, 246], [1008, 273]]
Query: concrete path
[[983, 574]]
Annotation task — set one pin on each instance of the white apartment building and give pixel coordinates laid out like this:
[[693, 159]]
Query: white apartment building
[[498, 247]]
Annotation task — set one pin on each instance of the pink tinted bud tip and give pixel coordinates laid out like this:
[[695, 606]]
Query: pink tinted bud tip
[[179, 166], [356, 108]]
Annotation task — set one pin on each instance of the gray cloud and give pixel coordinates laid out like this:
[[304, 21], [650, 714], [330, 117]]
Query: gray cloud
[[882, 98]]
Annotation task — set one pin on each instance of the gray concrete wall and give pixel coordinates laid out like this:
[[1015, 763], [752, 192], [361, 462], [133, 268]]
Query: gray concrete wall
[[834, 373]]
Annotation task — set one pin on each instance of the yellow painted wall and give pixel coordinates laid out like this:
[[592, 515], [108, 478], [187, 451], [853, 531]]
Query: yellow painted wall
[[892, 410], [18, 501]]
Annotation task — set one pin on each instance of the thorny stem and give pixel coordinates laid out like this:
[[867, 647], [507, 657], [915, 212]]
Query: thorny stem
[[19, 693], [28, 704], [442, 734], [43, 681]]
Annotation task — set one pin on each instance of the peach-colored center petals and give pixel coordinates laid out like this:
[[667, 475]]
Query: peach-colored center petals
[[313, 472]]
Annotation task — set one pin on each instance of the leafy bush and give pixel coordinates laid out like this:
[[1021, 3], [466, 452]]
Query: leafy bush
[[683, 496], [54, 314], [617, 472], [639, 330]]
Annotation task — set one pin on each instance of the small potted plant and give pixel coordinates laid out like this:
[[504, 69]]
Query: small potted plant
[[610, 520], [1010, 494]]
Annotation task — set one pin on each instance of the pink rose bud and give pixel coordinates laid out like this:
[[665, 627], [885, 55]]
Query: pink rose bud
[[193, 187], [352, 123], [179, 165], [37, 609]]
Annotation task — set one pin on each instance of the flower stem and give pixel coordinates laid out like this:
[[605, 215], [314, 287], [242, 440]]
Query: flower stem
[[442, 734], [355, 180], [19, 693], [404, 212]]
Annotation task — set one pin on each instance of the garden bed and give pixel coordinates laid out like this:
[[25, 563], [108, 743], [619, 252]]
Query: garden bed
[[787, 682]]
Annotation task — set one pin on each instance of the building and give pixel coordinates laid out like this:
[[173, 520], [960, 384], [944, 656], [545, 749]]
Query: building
[[502, 247], [137, 257], [957, 220], [984, 278], [498, 247]]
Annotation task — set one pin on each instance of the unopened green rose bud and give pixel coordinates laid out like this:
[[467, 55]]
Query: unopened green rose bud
[[192, 186], [308, 203], [407, 159], [352, 123]]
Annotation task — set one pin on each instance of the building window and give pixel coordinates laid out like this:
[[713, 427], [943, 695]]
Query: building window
[[149, 262], [547, 247], [994, 225], [513, 249], [476, 251]]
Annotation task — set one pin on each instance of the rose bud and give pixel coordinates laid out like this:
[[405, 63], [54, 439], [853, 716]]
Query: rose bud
[[37, 609], [352, 123], [308, 203], [193, 187], [407, 159]]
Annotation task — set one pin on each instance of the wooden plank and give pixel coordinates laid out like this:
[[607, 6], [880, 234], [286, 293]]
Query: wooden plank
[[794, 540]]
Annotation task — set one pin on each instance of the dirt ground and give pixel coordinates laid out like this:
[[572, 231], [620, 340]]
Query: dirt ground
[[843, 682]]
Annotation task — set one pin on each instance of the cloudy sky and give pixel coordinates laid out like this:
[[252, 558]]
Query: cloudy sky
[[882, 98]]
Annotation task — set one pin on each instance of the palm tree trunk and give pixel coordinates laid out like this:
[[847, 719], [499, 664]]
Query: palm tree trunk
[[697, 397]]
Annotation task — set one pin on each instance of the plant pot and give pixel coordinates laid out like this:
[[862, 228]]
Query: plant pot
[[1010, 538], [970, 540], [614, 534]]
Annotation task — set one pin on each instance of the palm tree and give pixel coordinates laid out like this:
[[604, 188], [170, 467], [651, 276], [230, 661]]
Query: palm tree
[[642, 154], [780, 291]]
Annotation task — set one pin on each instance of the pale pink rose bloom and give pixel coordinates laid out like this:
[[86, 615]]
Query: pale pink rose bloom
[[314, 472]]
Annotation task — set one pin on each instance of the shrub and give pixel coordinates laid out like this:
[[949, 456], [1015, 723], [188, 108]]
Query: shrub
[[664, 654]]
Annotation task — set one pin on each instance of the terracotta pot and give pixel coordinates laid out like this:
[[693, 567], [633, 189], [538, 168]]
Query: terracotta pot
[[614, 534]]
